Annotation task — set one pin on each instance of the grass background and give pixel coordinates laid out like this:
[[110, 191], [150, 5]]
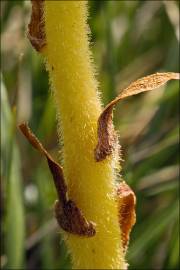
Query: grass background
[[129, 39]]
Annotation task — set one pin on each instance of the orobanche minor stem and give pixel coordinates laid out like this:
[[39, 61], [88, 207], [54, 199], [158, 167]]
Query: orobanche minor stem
[[90, 184]]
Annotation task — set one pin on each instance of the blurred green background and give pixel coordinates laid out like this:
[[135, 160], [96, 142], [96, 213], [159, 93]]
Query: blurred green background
[[129, 39]]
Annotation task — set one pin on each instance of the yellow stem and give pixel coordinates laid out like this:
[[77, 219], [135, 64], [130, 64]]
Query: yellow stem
[[90, 184]]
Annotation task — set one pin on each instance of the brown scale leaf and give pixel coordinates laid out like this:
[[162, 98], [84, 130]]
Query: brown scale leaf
[[127, 214], [72, 220], [68, 215], [36, 27], [106, 133]]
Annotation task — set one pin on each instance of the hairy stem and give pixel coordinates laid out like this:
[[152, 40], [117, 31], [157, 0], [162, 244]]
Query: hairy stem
[[90, 184]]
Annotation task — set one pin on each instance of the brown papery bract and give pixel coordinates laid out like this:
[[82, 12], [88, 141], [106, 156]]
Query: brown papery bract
[[127, 213], [36, 31], [106, 133], [68, 215]]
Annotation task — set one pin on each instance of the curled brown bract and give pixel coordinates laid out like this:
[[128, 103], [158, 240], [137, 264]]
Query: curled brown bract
[[36, 27], [71, 219], [107, 136], [127, 213], [106, 133], [68, 215]]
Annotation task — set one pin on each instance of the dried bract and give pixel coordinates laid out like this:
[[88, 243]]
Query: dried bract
[[127, 213], [36, 27], [68, 215], [106, 133]]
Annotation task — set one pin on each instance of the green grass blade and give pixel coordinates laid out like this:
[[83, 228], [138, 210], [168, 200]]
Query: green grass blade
[[14, 225]]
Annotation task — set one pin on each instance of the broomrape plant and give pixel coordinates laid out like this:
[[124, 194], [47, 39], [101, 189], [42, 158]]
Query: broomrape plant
[[95, 212]]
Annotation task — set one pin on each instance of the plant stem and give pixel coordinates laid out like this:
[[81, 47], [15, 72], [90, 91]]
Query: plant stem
[[90, 184]]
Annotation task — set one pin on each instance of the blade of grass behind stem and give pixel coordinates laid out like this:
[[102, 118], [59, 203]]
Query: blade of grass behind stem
[[6, 132], [46, 249], [14, 224]]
